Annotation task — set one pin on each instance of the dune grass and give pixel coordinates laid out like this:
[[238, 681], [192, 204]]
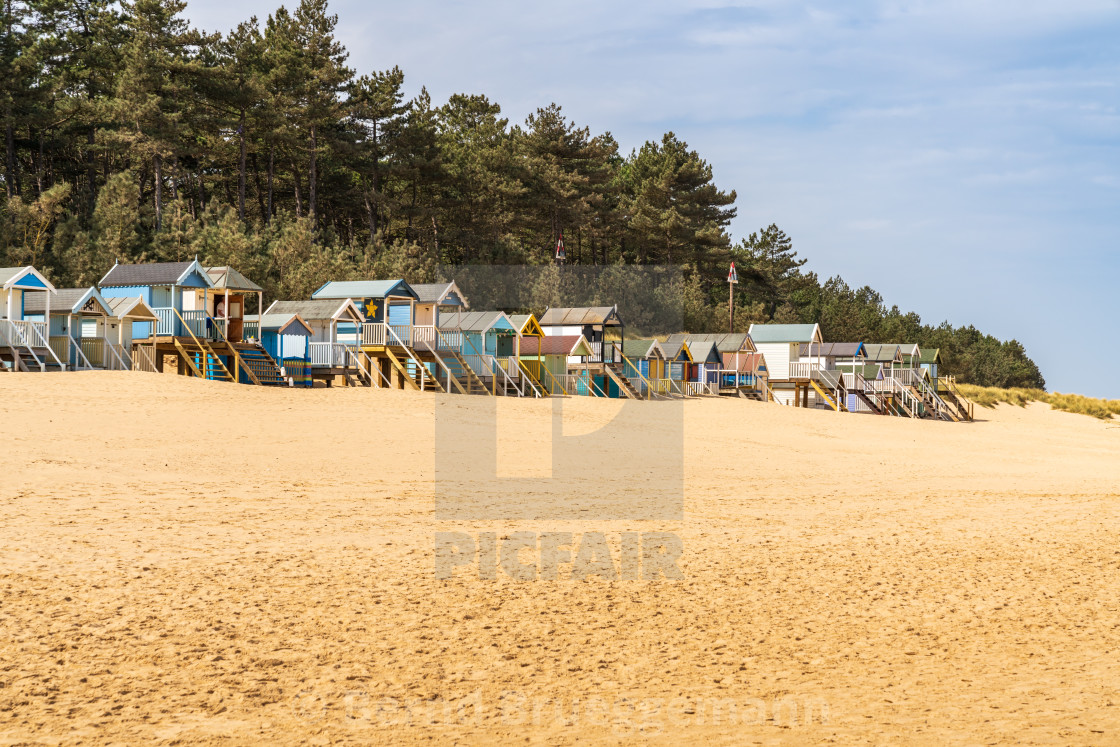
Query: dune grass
[[987, 396]]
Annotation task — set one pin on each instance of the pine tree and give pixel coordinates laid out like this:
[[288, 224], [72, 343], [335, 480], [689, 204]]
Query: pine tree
[[156, 88], [377, 110], [677, 214], [320, 61]]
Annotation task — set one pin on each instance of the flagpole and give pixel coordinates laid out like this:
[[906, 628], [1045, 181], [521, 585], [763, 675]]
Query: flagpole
[[732, 279]]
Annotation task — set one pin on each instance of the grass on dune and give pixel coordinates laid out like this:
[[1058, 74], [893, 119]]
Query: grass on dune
[[988, 396]]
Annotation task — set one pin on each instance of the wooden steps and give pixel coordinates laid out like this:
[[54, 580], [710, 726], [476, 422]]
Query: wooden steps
[[257, 360], [614, 371]]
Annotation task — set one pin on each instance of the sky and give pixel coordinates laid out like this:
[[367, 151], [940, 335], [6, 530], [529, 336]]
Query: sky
[[962, 157]]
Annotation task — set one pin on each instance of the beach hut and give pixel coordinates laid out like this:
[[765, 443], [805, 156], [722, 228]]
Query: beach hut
[[911, 353], [402, 353], [81, 326], [286, 338], [130, 311], [490, 347], [24, 343], [201, 313], [331, 354], [388, 308], [644, 368], [678, 359], [590, 321], [744, 375], [436, 302], [790, 378], [550, 354], [530, 337], [176, 291], [228, 301], [703, 371], [889, 356], [930, 360]]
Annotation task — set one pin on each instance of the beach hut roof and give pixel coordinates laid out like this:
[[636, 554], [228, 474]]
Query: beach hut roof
[[743, 362], [642, 349], [132, 307], [154, 273], [704, 351], [726, 342], [606, 316], [930, 355], [557, 345], [909, 348], [318, 310], [365, 289], [227, 278], [24, 278], [282, 324], [442, 294], [785, 333], [833, 350], [888, 353], [481, 321], [678, 350], [68, 300], [526, 325]]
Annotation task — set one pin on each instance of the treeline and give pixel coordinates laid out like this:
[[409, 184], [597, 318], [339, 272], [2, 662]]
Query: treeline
[[132, 136]]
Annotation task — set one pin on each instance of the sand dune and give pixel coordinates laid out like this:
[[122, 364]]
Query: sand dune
[[198, 562]]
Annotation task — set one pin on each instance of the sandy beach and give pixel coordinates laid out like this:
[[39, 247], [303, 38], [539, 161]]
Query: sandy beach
[[195, 562]]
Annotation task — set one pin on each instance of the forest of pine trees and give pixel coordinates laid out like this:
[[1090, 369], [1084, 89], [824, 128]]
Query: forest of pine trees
[[132, 136]]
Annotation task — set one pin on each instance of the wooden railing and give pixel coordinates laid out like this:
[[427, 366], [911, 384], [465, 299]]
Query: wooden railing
[[119, 357], [450, 339], [582, 384], [803, 369], [328, 354], [60, 344], [700, 388], [94, 350], [144, 358], [401, 334], [599, 350], [424, 337], [250, 330], [537, 370], [477, 364], [26, 333], [166, 326], [509, 365], [197, 323], [373, 333]]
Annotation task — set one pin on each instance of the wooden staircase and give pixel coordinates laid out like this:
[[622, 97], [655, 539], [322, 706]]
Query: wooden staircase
[[413, 371], [876, 407], [614, 371], [469, 381], [263, 366], [962, 407], [835, 403], [833, 396]]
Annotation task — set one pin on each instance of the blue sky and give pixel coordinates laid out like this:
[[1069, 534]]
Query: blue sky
[[962, 157]]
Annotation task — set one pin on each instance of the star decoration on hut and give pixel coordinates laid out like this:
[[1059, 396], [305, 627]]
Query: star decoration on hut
[[371, 309]]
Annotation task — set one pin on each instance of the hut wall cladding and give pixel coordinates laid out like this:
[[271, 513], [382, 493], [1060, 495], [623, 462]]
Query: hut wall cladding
[[293, 346], [777, 358], [400, 313]]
